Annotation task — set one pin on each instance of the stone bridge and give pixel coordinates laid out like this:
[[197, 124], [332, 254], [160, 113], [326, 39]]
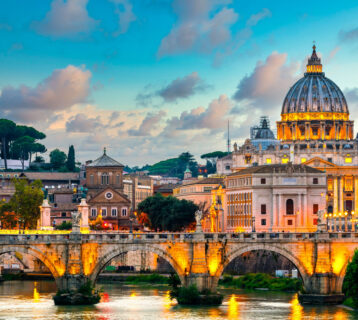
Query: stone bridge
[[198, 258]]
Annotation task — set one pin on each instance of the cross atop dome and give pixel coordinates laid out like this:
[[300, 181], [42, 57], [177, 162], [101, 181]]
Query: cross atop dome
[[314, 63]]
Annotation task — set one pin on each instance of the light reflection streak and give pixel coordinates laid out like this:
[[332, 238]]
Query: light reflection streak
[[296, 308], [233, 308]]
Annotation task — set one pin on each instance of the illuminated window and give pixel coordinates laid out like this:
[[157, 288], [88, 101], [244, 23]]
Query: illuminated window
[[268, 160], [330, 185], [303, 160], [285, 160], [348, 159]]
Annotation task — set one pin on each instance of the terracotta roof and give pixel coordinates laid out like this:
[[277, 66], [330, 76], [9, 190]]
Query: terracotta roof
[[206, 181], [165, 187], [277, 168], [105, 161], [64, 176]]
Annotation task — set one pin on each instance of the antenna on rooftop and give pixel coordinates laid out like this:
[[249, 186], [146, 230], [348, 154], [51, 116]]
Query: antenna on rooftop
[[228, 137]]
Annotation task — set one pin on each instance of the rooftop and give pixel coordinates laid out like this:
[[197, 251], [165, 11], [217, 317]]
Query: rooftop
[[105, 161]]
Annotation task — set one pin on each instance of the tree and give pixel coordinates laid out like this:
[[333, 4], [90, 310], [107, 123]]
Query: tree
[[350, 283], [168, 213], [22, 147], [71, 165], [211, 159], [57, 158], [26, 202], [7, 127]]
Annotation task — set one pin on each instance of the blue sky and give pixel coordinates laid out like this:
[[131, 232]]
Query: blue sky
[[150, 79]]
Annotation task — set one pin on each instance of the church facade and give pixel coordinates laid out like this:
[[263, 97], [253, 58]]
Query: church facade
[[314, 130]]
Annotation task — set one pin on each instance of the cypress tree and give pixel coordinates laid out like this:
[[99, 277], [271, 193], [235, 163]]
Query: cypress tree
[[71, 166]]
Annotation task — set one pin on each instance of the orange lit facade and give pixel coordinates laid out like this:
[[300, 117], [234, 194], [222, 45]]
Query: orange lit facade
[[315, 129]]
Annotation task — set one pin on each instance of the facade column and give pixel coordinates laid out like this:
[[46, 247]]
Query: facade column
[[299, 207], [273, 211], [341, 203], [335, 195], [305, 218], [279, 209], [355, 194]]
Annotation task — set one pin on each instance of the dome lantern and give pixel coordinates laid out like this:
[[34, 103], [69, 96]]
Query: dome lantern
[[314, 63]]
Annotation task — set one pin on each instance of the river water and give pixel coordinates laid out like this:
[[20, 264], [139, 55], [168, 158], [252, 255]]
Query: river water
[[33, 300]]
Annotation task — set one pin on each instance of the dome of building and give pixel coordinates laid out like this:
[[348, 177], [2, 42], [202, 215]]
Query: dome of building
[[264, 132], [314, 92], [314, 108]]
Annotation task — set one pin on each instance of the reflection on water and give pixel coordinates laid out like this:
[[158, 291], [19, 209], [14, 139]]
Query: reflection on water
[[33, 300]]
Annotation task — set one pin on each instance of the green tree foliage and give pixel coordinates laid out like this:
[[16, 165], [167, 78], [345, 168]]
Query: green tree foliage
[[7, 128], [168, 213], [25, 202], [64, 226], [211, 159], [57, 159], [350, 283], [71, 164], [175, 166], [12, 137]]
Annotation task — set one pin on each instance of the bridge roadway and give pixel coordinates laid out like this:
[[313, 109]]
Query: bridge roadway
[[198, 258]]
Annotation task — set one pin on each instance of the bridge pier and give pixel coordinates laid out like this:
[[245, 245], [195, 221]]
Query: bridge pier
[[320, 288], [203, 281], [71, 282]]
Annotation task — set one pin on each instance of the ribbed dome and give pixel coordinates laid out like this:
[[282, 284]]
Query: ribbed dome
[[264, 132], [314, 93]]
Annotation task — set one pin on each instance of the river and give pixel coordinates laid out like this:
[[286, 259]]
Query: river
[[33, 300]]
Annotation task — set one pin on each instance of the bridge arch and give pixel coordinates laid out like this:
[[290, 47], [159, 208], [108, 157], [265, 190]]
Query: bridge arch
[[32, 252], [236, 252], [110, 254]]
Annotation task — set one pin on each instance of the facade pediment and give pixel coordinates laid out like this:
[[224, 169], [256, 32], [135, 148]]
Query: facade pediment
[[318, 162], [109, 195]]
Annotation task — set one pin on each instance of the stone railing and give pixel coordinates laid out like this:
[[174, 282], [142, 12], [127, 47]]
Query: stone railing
[[114, 237]]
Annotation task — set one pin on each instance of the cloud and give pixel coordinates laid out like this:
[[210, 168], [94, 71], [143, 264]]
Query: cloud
[[61, 90], [332, 54], [82, 123], [125, 15], [201, 26], [5, 27], [182, 87], [255, 18], [267, 85], [66, 19], [349, 35], [211, 118], [17, 46], [179, 88], [149, 123]]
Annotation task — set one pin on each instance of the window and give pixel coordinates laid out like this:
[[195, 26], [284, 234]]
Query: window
[[263, 209], [63, 214], [263, 181], [91, 179], [315, 208], [348, 159], [289, 206], [268, 160], [330, 185], [303, 160], [285, 160], [289, 222], [263, 222], [329, 159], [118, 179], [93, 212], [315, 222], [315, 180], [104, 212], [124, 212], [105, 178], [227, 167], [114, 212]]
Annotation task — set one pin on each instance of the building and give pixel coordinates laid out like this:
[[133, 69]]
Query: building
[[165, 190], [274, 198], [137, 188], [314, 129], [104, 181], [160, 180]]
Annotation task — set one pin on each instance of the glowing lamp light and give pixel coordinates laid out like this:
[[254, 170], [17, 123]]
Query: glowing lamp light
[[340, 214], [352, 213], [330, 215], [345, 213]]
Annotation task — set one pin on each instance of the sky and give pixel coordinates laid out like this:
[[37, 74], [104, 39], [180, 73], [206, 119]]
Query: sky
[[150, 79]]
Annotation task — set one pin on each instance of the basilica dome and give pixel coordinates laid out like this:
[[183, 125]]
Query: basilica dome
[[314, 108], [314, 92]]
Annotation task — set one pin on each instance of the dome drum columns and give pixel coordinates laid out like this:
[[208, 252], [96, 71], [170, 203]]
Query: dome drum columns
[[314, 130]]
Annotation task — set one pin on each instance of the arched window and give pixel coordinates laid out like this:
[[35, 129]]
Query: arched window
[[330, 209], [289, 206], [105, 178]]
